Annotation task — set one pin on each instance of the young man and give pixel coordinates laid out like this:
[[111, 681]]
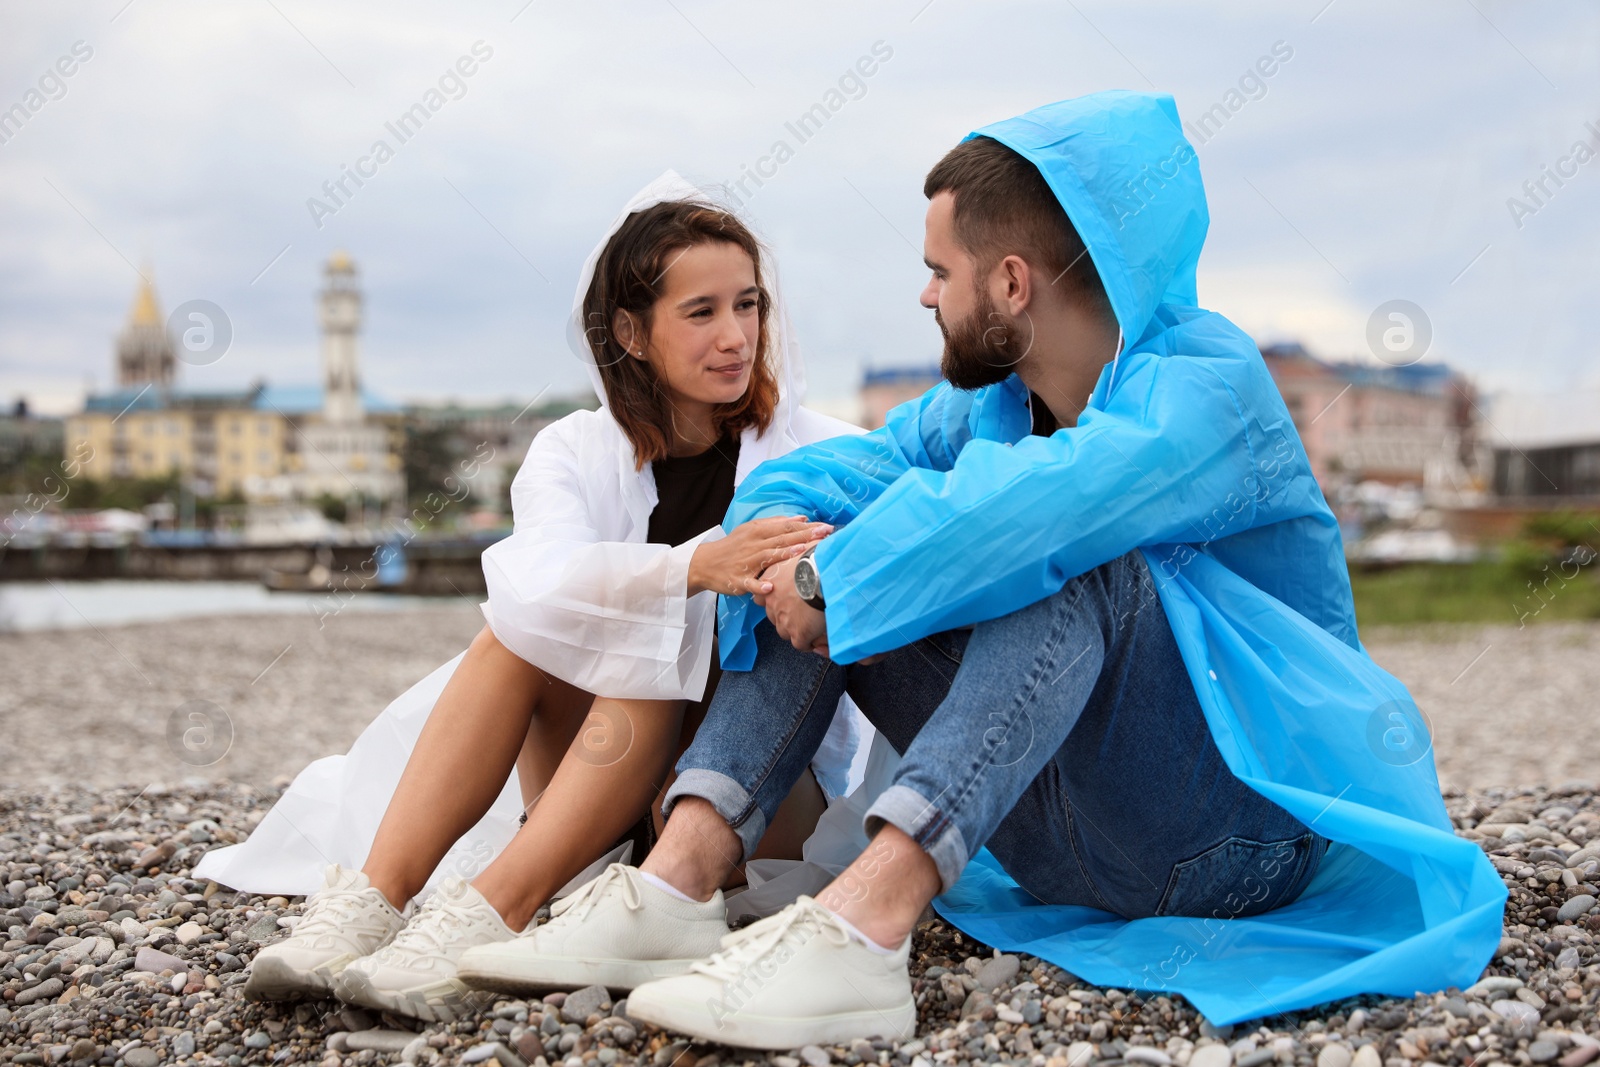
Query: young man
[[990, 601]]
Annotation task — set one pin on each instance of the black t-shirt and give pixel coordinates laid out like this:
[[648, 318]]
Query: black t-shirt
[[693, 492], [1044, 421]]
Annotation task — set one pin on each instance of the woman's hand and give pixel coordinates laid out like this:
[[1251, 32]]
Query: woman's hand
[[732, 565]]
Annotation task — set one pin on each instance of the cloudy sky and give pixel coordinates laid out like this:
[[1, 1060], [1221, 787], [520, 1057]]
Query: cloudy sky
[[1375, 164]]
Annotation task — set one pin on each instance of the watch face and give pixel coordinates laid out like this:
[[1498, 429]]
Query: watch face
[[805, 579]]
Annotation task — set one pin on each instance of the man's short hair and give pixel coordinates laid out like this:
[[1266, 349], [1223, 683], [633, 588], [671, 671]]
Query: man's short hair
[[1003, 206]]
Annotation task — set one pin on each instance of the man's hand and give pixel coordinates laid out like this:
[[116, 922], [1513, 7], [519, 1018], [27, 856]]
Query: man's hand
[[797, 622]]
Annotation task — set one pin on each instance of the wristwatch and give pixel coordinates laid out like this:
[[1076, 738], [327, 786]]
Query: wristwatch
[[807, 582]]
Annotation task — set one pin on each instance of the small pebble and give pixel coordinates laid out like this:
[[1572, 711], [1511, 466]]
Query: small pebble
[[154, 961], [378, 1040], [1580, 1056], [815, 1056], [997, 971], [1082, 1053], [43, 991], [355, 1018], [1491, 984], [578, 1006], [530, 1048], [668, 1054], [1575, 907]]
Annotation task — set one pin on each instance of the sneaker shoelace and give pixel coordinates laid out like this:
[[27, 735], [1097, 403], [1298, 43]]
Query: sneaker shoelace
[[589, 895], [334, 910], [744, 948], [435, 926]]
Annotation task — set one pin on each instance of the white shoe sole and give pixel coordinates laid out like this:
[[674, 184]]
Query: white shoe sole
[[520, 972], [745, 1030], [272, 978], [441, 1002]]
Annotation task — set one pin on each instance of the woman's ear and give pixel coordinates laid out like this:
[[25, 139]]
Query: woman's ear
[[626, 330]]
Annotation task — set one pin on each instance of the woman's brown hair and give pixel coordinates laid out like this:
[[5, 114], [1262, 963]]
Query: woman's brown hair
[[628, 277]]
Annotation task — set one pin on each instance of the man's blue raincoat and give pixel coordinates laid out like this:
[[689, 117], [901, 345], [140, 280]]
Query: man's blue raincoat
[[952, 514]]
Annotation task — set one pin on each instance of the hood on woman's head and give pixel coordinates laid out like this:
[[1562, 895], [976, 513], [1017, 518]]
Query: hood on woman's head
[[625, 274]]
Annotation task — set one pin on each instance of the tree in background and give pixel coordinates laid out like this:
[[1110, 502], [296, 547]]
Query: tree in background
[[427, 459]]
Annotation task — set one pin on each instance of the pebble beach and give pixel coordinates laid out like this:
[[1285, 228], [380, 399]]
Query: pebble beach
[[111, 954]]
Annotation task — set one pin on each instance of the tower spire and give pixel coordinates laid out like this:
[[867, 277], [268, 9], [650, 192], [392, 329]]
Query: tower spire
[[144, 351]]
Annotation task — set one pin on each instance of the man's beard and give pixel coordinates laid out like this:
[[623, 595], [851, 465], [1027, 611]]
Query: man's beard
[[982, 349]]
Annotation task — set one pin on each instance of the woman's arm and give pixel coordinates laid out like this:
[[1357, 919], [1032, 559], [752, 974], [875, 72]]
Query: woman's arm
[[610, 617]]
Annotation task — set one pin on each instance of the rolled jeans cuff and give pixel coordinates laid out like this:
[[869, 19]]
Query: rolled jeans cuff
[[914, 815], [729, 799]]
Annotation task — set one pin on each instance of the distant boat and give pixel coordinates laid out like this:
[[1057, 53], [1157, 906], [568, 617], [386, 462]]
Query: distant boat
[[318, 579], [389, 575]]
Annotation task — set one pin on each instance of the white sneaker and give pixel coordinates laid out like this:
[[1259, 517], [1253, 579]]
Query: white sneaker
[[616, 931], [344, 920], [415, 974], [796, 978]]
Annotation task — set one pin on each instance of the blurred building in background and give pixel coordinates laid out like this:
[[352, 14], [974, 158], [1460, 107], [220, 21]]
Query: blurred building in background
[[1564, 474], [24, 434], [346, 447], [262, 443], [884, 388], [481, 445], [1546, 448], [1365, 422]]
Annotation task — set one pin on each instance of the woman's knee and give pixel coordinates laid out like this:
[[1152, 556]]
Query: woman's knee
[[486, 645]]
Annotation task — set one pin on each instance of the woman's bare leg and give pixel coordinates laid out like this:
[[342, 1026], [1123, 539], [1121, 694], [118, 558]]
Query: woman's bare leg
[[562, 710], [614, 769], [609, 775], [460, 764]]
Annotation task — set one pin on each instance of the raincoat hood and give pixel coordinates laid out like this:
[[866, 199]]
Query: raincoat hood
[[783, 350], [1129, 181]]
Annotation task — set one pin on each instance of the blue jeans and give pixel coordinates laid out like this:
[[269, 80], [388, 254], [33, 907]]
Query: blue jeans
[[1066, 737]]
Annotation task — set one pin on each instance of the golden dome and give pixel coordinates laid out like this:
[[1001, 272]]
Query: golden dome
[[341, 262], [145, 310]]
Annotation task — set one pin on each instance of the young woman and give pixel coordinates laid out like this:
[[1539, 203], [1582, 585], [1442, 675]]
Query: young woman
[[596, 665]]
